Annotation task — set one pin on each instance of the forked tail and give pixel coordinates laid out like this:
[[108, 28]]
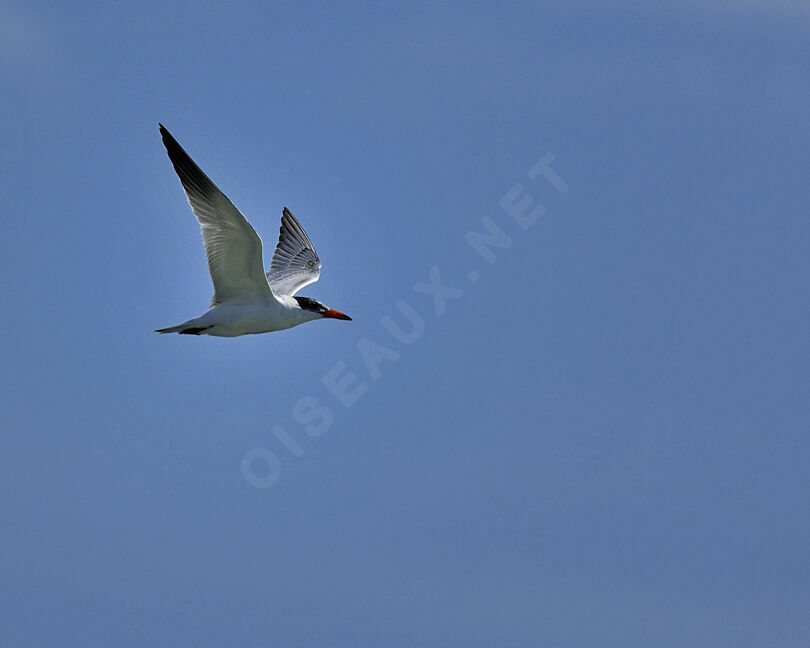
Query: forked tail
[[184, 329]]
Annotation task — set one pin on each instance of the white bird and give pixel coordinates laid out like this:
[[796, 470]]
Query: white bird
[[246, 299]]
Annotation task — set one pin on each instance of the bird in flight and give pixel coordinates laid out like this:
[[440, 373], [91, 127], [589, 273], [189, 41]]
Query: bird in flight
[[246, 298]]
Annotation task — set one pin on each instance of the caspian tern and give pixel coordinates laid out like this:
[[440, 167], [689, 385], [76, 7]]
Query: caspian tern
[[246, 299]]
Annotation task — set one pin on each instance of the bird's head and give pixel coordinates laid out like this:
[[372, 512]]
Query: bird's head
[[317, 310]]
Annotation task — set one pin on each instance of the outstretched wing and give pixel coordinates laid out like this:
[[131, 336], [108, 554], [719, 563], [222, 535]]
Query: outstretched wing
[[233, 248], [295, 263]]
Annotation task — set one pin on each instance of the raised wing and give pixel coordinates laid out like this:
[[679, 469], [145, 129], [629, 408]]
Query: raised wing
[[233, 248], [295, 263]]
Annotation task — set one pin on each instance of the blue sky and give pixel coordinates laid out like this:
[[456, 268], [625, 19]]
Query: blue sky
[[602, 441]]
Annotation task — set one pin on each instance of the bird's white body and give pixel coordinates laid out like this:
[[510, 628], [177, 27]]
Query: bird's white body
[[246, 298], [232, 320]]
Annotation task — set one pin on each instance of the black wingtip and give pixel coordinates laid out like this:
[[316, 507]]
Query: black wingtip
[[167, 137], [173, 147]]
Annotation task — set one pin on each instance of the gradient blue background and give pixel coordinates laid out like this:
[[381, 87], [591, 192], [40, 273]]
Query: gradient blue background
[[604, 442]]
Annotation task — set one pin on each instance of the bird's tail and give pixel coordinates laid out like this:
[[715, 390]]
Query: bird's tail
[[187, 328], [171, 329]]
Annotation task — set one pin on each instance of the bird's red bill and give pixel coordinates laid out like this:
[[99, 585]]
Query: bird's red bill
[[336, 314]]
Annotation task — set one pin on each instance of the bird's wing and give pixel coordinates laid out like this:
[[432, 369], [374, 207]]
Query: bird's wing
[[295, 263], [233, 248]]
